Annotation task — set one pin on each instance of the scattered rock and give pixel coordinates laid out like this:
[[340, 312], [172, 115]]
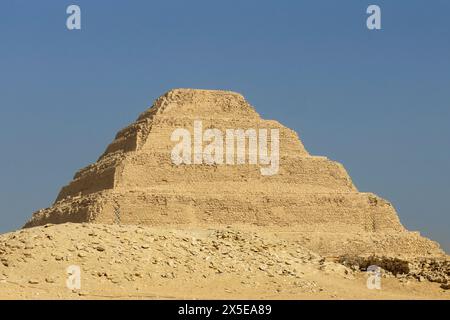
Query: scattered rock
[[221, 254], [445, 286], [263, 267], [50, 280], [168, 275]]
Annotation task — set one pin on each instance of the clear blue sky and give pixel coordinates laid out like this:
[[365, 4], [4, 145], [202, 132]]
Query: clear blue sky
[[376, 101]]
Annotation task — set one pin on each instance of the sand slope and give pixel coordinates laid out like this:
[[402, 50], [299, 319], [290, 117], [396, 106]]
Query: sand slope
[[134, 262]]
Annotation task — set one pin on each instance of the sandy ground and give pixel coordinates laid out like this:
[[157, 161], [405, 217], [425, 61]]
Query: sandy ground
[[131, 262]]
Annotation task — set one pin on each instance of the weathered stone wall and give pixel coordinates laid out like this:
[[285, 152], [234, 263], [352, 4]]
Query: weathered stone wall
[[136, 177]]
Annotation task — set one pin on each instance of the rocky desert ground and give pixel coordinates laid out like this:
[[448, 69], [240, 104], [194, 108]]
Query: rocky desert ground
[[235, 262]]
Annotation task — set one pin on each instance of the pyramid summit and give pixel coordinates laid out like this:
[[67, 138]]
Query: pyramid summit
[[135, 181]]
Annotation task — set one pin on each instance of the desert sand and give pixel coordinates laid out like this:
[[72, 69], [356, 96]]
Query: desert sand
[[140, 262]]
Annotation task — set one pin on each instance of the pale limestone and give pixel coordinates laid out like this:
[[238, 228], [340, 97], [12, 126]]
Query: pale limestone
[[135, 181]]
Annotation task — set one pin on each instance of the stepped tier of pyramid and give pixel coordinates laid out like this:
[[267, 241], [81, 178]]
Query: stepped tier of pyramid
[[136, 182]]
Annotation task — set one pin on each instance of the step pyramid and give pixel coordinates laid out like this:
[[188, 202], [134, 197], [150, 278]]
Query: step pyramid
[[136, 181]]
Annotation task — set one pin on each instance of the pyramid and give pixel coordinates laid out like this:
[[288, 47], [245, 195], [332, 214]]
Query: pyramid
[[135, 181]]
